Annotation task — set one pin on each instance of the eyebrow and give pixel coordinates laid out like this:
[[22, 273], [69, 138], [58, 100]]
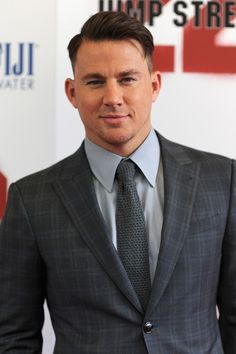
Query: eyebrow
[[95, 75], [129, 72]]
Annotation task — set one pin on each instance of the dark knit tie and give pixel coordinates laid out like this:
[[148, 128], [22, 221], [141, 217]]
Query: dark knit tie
[[131, 233]]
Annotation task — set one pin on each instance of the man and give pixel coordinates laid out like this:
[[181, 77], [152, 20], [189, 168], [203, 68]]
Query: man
[[65, 232]]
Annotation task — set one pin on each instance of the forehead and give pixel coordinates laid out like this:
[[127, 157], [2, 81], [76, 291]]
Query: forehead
[[107, 53]]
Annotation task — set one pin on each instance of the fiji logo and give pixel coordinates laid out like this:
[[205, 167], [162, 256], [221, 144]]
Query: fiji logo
[[17, 66]]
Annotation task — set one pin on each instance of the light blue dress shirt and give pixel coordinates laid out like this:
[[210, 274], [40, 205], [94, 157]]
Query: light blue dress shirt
[[149, 185]]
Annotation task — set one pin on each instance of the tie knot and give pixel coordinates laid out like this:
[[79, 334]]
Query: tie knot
[[125, 171]]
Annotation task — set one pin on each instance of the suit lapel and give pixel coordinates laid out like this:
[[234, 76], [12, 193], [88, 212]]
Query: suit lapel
[[180, 185], [78, 196]]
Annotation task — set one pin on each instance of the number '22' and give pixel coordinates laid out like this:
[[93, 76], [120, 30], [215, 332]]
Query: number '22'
[[201, 54]]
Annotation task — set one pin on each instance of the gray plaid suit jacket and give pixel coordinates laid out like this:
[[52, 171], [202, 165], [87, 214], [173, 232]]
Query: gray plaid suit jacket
[[54, 245]]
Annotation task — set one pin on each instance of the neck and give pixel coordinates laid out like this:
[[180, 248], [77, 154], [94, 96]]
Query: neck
[[122, 149]]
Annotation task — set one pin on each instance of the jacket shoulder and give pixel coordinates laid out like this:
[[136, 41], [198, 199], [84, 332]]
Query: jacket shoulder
[[64, 169], [180, 151]]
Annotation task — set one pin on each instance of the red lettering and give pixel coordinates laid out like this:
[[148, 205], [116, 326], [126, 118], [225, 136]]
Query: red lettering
[[163, 58]]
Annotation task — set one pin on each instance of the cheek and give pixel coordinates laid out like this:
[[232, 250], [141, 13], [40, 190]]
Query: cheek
[[88, 105], [143, 94], [142, 100]]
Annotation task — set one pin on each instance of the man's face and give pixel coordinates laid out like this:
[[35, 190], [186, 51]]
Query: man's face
[[113, 91]]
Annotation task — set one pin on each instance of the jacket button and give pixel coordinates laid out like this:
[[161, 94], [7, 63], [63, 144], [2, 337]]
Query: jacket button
[[147, 327]]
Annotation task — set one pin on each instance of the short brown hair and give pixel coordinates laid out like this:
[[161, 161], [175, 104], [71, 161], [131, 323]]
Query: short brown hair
[[111, 25]]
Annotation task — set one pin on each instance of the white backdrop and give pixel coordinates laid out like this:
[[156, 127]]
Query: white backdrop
[[37, 124]]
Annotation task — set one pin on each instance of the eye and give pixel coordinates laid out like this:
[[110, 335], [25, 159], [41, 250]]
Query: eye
[[128, 80], [94, 82]]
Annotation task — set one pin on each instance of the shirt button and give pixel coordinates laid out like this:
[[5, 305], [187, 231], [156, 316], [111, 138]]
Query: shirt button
[[147, 327]]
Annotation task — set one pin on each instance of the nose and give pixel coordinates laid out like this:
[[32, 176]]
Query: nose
[[113, 95]]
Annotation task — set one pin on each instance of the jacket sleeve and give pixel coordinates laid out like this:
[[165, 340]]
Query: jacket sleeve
[[227, 284], [22, 281]]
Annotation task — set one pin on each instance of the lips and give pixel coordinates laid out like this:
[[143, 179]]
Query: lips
[[114, 116], [114, 119]]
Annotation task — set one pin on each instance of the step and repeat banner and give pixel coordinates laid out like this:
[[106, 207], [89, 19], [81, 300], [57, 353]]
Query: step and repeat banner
[[27, 89], [195, 51]]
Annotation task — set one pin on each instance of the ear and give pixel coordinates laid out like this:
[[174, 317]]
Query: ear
[[70, 92], [156, 84]]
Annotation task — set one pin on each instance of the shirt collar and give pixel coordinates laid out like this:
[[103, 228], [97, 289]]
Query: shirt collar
[[104, 163]]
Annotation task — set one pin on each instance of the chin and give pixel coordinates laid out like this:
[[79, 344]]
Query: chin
[[118, 139]]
